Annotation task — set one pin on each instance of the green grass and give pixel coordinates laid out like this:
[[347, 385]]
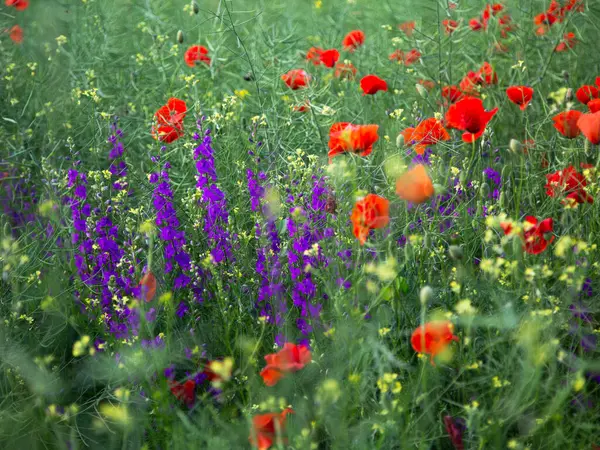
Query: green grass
[[519, 377]]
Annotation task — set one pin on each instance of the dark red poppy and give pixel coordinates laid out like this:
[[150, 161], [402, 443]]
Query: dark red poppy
[[185, 392], [427, 84], [469, 116], [353, 40], [195, 54], [265, 428], [535, 241], [451, 93], [296, 79], [589, 124], [16, 34], [303, 107], [344, 71], [520, 95], [407, 27], [346, 137], [506, 25], [586, 93], [450, 26], [455, 427], [19, 5], [566, 123], [329, 57], [594, 105], [314, 55], [570, 183], [371, 84], [569, 41], [476, 24], [169, 119]]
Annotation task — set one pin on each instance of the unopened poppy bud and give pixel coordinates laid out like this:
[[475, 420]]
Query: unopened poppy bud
[[565, 75], [515, 146], [180, 37], [421, 90], [484, 190], [517, 247], [400, 141], [425, 295], [195, 7], [409, 254], [427, 240], [502, 199], [456, 252], [569, 95]]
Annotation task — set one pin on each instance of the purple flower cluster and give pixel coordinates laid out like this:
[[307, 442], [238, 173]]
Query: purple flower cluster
[[213, 199], [18, 199], [117, 167], [496, 179]]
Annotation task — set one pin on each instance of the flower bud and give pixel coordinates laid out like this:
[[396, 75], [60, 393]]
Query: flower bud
[[180, 37], [421, 90], [400, 141], [484, 190], [456, 252], [515, 146], [195, 7], [425, 295], [565, 75]]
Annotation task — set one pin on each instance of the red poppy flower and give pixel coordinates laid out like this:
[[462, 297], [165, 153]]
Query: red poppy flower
[[427, 84], [371, 84], [20, 5], [406, 58], [415, 186], [544, 19], [586, 93], [451, 93], [534, 235], [589, 124], [499, 47], [570, 183], [16, 34], [148, 286], [329, 57], [520, 95], [569, 40], [296, 79], [344, 71], [196, 53], [450, 26], [346, 137], [291, 358], [353, 40], [469, 83], [303, 107], [488, 74], [506, 25], [594, 105], [433, 338], [407, 27], [428, 132], [170, 121], [265, 428], [314, 55], [469, 116], [185, 392], [566, 123], [476, 24], [370, 213]]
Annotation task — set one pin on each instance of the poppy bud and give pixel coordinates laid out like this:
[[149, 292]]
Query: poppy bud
[[565, 75], [456, 252], [180, 37], [502, 199], [427, 240], [249, 76], [400, 141], [425, 295], [195, 7], [569, 95], [409, 254], [515, 146], [484, 190], [517, 247], [421, 90]]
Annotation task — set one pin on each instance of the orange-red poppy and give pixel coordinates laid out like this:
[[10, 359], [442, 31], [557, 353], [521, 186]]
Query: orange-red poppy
[[469, 116], [16, 34], [427, 132], [148, 286], [314, 55], [406, 58], [347, 137], [291, 358], [407, 27], [370, 213], [476, 24], [353, 40], [19, 5], [432, 338], [586, 93], [451, 93], [371, 84], [195, 54], [520, 95], [344, 71], [427, 84], [566, 123], [450, 26], [415, 185], [569, 41], [589, 124], [265, 428], [296, 79], [594, 105], [303, 107], [329, 57], [169, 120]]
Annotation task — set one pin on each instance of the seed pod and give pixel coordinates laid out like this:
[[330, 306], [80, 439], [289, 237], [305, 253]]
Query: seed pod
[[427, 241], [425, 295], [331, 204], [409, 253], [180, 37], [195, 7], [456, 252]]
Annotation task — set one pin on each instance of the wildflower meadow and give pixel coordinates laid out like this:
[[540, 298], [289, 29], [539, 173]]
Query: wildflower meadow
[[299, 224]]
